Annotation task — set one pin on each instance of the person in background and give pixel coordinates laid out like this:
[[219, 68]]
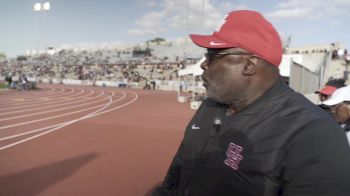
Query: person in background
[[8, 79], [339, 103], [253, 135], [329, 88], [327, 91]]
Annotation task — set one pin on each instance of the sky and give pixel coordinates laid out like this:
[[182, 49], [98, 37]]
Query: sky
[[94, 22]]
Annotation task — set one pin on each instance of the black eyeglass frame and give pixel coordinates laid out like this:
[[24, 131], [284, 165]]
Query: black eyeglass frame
[[212, 57], [335, 107]]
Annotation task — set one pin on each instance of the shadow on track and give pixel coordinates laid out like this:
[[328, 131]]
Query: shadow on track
[[32, 181]]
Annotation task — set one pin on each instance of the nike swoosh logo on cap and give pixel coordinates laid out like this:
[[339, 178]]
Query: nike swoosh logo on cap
[[213, 43]]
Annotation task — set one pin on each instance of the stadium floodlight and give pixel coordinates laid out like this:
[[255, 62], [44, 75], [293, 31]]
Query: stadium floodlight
[[37, 7], [46, 6]]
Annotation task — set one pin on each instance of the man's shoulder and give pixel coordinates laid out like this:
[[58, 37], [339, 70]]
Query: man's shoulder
[[297, 104], [294, 108]]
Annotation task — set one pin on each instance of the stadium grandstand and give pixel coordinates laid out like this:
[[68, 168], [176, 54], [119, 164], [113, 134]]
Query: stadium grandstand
[[165, 65], [137, 64]]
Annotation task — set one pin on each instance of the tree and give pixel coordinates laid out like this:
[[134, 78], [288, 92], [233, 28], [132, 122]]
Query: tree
[[21, 58], [2, 56], [156, 40]]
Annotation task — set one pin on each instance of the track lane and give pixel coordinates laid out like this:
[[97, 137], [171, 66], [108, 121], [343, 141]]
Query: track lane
[[121, 152], [11, 131]]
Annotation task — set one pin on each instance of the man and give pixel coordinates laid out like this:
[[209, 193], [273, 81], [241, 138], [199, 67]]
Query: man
[[8, 79], [329, 88], [340, 108], [255, 136]]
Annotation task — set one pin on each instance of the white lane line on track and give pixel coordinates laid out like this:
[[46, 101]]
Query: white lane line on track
[[53, 117], [115, 108], [41, 100], [27, 100], [52, 126], [34, 131], [36, 92], [55, 110], [41, 129], [58, 127], [51, 104], [93, 114], [16, 95]]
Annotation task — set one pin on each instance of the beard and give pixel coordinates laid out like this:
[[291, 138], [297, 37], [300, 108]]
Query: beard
[[231, 95]]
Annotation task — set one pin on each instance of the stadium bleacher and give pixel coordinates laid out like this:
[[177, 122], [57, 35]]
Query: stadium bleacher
[[149, 62]]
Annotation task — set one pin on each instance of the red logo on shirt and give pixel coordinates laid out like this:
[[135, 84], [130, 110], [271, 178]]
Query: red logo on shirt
[[234, 156]]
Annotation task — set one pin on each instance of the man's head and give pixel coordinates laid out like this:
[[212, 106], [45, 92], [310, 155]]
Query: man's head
[[248, 30], [242, 59], [329, 88], [340, 104]]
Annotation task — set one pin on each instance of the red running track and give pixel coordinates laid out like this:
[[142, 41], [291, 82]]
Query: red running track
[[78, 140]]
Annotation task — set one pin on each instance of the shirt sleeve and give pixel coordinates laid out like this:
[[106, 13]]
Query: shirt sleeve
[[317, 162]]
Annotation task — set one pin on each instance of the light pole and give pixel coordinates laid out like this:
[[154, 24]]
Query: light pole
[[46, 8], [38, 7]]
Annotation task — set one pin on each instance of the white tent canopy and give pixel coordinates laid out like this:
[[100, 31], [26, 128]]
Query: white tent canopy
[[194, 69], [286, 62]]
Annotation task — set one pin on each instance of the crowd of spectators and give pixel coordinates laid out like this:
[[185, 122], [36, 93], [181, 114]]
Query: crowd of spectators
[[336, 52], [104, 65], [309, 51]]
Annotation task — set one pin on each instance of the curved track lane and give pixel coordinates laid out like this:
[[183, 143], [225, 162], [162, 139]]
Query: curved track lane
[[78, 140]]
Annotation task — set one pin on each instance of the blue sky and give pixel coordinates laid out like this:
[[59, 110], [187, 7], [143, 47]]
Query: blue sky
[[73, 22]]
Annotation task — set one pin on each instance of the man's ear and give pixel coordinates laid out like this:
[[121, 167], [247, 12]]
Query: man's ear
[[251, 66]]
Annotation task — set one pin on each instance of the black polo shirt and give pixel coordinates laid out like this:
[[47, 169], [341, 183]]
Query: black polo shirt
[[281, 144]]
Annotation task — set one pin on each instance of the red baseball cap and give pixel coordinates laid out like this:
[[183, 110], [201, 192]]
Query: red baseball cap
[[331, 86], [327, 90], [248, 30]]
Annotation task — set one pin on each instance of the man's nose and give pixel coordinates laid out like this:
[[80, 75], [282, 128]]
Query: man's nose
[[204, 65]]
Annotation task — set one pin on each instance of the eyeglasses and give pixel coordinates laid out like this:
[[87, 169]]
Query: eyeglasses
[[335, 107], [323, 97], [212, 57]]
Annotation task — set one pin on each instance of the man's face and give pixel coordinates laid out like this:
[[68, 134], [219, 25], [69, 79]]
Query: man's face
[[323, 97], [223, 76], [341, 112]]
